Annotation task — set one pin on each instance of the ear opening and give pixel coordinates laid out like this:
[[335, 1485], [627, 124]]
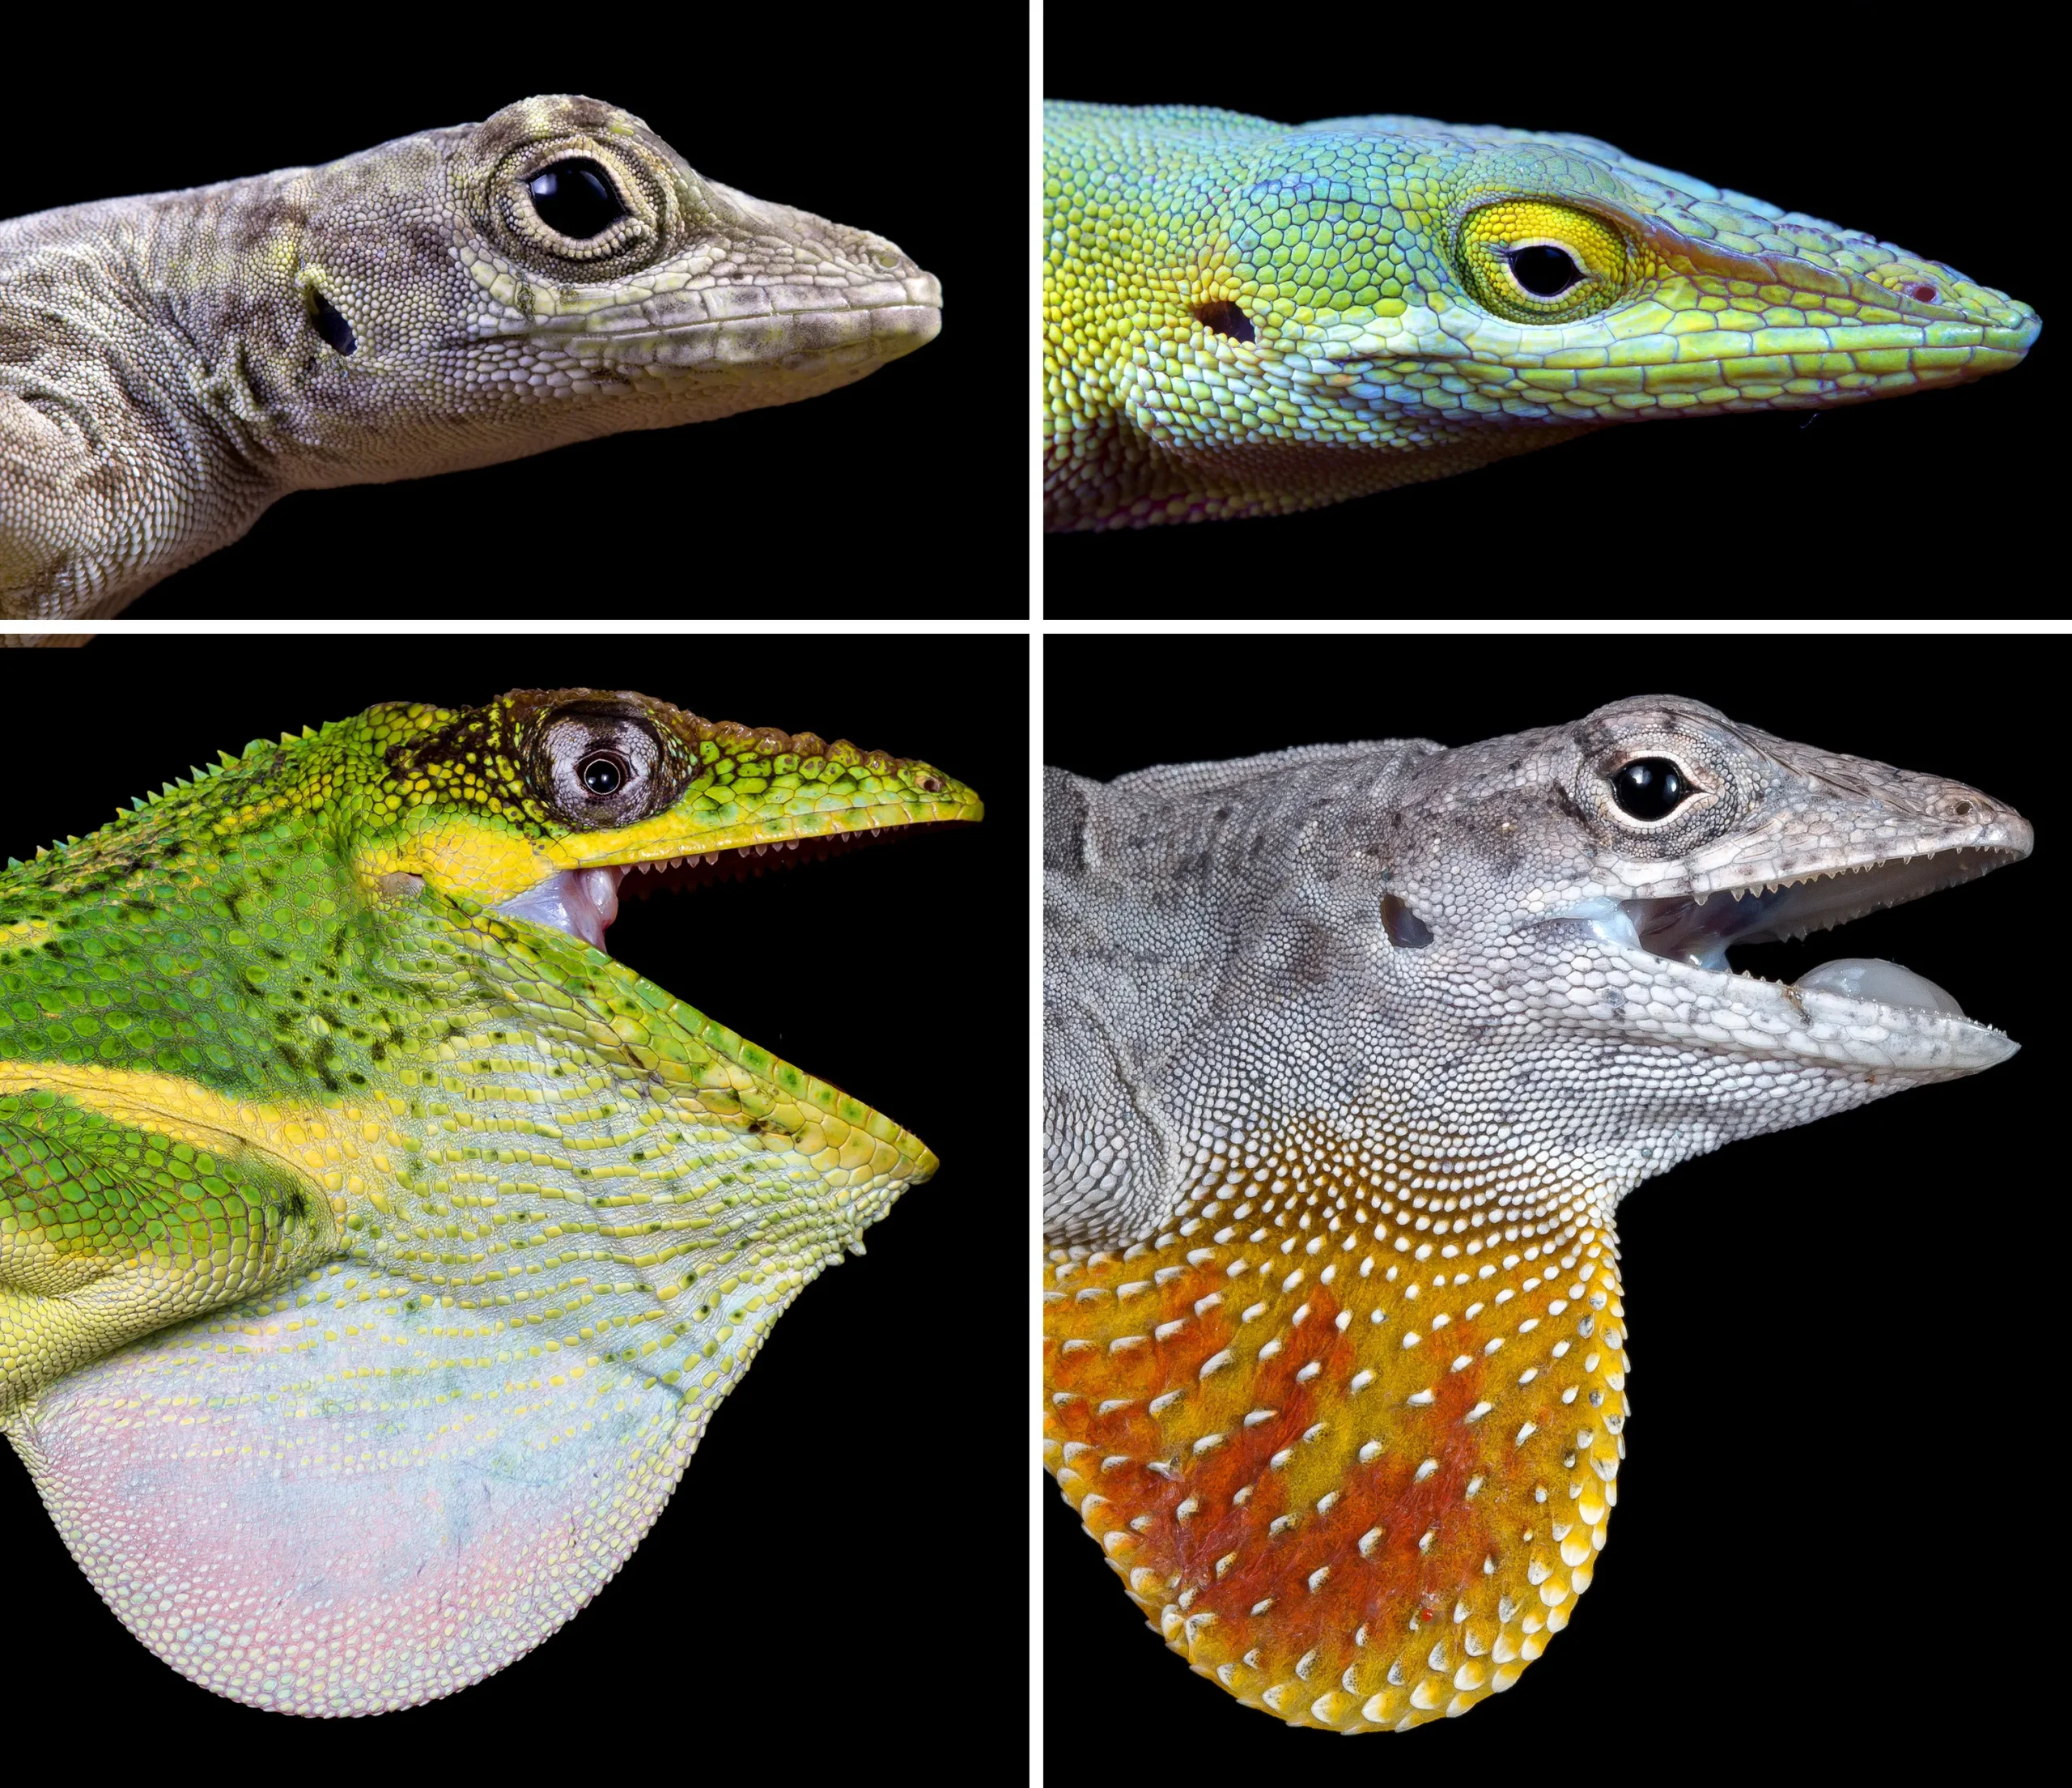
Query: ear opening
[[330, 322]]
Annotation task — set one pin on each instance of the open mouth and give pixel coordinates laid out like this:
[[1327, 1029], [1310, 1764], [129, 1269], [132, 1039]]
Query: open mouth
[[1699, 929], [583, 902]]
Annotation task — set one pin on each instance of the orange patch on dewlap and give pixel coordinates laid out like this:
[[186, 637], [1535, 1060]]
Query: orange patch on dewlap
[[1355, 1474]]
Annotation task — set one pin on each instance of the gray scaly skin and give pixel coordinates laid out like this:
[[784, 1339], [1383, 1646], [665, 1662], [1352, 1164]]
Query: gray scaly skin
[[172, 364], [1350, 1054]]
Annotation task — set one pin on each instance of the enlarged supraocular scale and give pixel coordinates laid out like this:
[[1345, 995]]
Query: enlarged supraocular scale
[[1350, 1053]]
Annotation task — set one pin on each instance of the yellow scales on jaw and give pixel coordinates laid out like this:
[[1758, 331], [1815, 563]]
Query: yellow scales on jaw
[[1350, 1430], [1349, 1054]]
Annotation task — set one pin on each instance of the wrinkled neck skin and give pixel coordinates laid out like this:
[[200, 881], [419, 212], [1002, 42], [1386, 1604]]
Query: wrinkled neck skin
[[541, 1034]]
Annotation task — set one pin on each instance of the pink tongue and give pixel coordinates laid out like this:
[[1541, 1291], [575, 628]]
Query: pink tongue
[[579, 902], [600, 888]]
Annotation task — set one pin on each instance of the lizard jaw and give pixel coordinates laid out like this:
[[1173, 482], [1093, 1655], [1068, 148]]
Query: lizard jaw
[[1863, 1009], [1692, 928], [583, 902]]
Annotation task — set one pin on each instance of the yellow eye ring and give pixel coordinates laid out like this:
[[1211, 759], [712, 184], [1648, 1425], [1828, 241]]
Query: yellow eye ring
[[1532, 261]]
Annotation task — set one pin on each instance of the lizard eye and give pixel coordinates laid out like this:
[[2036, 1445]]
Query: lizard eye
[[576, 198], [1544, 270], [602, 775], [593, 213], [1532, 261], [1650, 789], [598, 767]]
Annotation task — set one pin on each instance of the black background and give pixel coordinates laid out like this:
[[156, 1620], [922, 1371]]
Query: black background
[[800, 1576], [1876, 130], [1837, 1520], [846, 503]]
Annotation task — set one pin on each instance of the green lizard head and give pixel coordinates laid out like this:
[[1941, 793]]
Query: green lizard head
[[326, 1123], [553, 272], [1338, 307], [540, 804]]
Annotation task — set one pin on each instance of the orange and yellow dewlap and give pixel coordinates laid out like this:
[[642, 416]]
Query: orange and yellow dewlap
[[1356, 1473]]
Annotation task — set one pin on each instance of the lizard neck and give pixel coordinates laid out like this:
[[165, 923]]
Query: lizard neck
[[1349, 1433], [214, 272]]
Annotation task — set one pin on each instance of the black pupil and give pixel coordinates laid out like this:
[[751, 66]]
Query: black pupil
[[1650, 788], [1544, 272], [601, 775], [576, 198]]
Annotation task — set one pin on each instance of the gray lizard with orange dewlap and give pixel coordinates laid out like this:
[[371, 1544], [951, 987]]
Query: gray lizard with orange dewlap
[[1350, 1054]]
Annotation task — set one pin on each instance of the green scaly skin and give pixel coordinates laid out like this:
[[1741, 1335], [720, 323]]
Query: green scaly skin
[[172, 363], [1245, 318], [373, 1251]]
